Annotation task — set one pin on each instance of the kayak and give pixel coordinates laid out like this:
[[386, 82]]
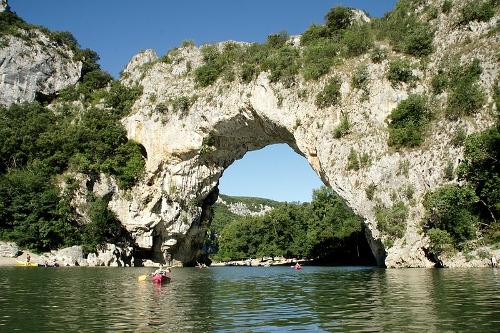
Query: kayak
[[160, 278], [26, 263]]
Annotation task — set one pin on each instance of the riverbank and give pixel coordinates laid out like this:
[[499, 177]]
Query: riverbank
[[11, 261], [263, 262]]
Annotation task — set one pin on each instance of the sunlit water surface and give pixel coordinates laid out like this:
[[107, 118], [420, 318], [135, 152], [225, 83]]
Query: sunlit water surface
[[237, 299]]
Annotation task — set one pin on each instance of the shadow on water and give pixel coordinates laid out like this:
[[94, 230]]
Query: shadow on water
[[235, 299]]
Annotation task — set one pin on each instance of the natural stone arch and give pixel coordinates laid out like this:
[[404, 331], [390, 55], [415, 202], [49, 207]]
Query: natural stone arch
[[228, 140], [189, 151], [189, 147]]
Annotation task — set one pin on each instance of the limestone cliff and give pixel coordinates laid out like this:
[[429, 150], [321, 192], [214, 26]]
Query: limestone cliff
[[189, 148], [32, 63], [246, 206]]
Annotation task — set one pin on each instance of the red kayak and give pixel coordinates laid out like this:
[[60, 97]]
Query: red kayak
[[160, 278]]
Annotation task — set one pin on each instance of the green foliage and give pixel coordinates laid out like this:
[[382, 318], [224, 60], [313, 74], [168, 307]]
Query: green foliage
[[439, 82], [182, 103], [406, 32], [408, 122], [283, 64], [343, 128], [370, 191], [449, 170], [358, 40], [31, 212], [364, 160], [481, 169], [361, 77], [409, 191], [188, 43], [314, 33], [459, 137], [419, 40], [481, 11], [104, 226], [121, 98], [290, 230], [450, 208], [465, 94], [400, 70], [441, 241], [338, 18], [447, 5], [319, 56], [378, 55], [330, 95], [392, 221], [353, 160], [248, 72]]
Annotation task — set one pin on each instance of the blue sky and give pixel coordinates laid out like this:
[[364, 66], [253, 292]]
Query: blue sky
[[118, 29]]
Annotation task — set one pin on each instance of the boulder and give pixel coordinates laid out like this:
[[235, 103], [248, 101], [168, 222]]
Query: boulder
[[9, 250]]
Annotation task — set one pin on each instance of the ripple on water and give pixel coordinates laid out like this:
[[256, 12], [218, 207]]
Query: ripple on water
[[235, 299]]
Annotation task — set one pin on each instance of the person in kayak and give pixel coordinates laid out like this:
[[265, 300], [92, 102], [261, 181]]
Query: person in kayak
[[297, 266], [161, 271]]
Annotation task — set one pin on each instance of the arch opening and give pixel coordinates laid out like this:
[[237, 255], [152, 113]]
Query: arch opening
[[272, 188]]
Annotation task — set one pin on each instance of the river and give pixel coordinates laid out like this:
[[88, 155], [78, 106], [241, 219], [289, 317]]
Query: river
[[240, 299]]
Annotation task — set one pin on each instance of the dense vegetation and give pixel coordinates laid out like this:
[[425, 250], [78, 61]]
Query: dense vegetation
[[316, 230], [80, 132], [463, 216], [343, 35], [407, 122]]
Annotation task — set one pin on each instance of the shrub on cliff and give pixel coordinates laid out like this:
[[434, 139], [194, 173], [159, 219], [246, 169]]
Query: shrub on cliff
[[479, 10], [330, 95], [392, 221], [104, 226], [400, 70], [357, 40], [318, 58], [407, 122], [338, 18], [481, 169], [465, 94], [406, 31], [451, 208]]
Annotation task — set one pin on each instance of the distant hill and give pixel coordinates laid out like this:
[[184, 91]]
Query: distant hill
[[228, 208]]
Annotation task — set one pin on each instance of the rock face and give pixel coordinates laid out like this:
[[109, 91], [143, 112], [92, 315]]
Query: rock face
[[110, 255], [4, 6], [32, 65], [243, 209], [187, 152], [8, 250]]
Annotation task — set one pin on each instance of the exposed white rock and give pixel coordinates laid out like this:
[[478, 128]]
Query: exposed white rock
[[111, 255], [241, 209], [4, 6], [69, 256], [34, 65], [8, 249]]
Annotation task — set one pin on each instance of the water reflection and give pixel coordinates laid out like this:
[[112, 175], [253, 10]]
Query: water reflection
[[230, 299]]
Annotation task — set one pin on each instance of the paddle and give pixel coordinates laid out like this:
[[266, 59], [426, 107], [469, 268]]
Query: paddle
[[142, 277]]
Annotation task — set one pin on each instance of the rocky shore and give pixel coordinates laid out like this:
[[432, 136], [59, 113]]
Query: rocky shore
[[110, 255], [262, 262]]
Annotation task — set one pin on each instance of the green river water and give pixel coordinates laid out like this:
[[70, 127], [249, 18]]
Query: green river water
[[239, 299]]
